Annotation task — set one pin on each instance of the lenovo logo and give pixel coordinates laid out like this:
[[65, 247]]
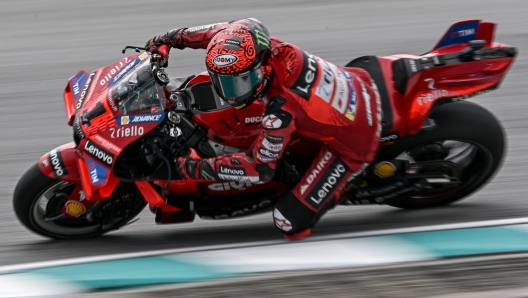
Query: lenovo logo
[[98, 152]]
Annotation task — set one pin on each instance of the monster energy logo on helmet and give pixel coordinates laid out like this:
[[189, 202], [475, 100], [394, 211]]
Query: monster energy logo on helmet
[[262, 38]]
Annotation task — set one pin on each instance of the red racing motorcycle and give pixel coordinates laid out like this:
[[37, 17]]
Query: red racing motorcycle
[[130, 121]]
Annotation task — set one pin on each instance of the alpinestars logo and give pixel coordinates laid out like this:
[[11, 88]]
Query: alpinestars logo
[[281, 222], [271, 122], [316, 171], [98, 152]]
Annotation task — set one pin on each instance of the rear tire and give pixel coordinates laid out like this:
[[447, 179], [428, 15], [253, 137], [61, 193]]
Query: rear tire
[[463, 122], [30, 194]]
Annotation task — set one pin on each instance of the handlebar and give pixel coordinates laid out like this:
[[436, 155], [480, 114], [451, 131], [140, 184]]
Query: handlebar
[[157, 63]]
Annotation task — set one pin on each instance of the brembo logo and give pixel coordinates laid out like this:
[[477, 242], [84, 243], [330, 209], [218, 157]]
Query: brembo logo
[[316, 171], [85, 89], [98, 152], [225, 59]]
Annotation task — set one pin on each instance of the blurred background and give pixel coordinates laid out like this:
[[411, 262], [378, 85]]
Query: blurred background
[[44, 43]]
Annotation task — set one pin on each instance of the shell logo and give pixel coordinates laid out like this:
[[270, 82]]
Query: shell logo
[[384, 169], [125, 120], [74, 208]]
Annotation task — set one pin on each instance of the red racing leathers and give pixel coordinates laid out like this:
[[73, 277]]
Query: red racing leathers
[[307, 96]]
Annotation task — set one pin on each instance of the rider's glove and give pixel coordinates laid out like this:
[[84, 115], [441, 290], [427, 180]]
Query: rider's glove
[[192, 167], [156, 45]]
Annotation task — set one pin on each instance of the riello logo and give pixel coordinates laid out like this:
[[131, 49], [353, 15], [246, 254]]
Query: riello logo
[[225, 59]]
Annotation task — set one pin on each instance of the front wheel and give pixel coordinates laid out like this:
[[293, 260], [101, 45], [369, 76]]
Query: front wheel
[[465, 134], [38, 199]]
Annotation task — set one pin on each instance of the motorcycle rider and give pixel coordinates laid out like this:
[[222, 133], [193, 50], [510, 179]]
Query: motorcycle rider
[[303, 94]]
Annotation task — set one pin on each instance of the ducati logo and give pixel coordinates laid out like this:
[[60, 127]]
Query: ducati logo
[[271, 122]]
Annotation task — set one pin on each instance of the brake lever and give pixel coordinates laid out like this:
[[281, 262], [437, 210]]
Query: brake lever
[[137, 49]]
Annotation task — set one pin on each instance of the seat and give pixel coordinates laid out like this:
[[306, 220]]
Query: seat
[[401, 74], [372, 66]]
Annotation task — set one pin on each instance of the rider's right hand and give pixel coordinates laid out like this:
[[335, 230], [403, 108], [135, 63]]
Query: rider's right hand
[[155, 45]]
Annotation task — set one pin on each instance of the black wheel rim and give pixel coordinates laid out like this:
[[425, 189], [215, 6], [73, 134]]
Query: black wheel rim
[[64, 226], [475, 160]]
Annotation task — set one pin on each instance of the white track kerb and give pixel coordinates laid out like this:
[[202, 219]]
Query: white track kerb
[[67, 277]]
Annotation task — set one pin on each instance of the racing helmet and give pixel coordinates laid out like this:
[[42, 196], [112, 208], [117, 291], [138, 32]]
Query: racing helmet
[[235, 59]]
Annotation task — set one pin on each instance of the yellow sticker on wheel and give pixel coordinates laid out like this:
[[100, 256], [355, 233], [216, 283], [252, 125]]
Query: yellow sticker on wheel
[[384, 169], [74, 208]]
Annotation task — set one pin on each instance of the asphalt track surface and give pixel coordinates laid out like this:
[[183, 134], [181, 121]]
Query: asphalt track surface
[[43, 43]]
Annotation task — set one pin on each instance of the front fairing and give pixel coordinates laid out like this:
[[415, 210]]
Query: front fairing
[[118, 105]]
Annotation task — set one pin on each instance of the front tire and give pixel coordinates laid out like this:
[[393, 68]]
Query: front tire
[[457, 124], [33, 200]]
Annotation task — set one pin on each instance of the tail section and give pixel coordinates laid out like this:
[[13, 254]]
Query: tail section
[[464, 31]]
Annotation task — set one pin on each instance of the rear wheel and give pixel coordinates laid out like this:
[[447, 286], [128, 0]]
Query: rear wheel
[[465, 134], [38, 200]]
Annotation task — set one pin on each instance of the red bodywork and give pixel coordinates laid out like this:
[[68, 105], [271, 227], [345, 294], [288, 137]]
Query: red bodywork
[[459, 81], [108, 132]]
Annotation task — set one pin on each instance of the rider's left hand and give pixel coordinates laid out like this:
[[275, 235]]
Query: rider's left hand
[[188, 166], [155, 45]]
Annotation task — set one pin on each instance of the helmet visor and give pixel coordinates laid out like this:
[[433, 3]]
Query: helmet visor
[[236, 89]]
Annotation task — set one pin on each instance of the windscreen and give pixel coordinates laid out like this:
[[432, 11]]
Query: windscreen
[[137, 92]]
